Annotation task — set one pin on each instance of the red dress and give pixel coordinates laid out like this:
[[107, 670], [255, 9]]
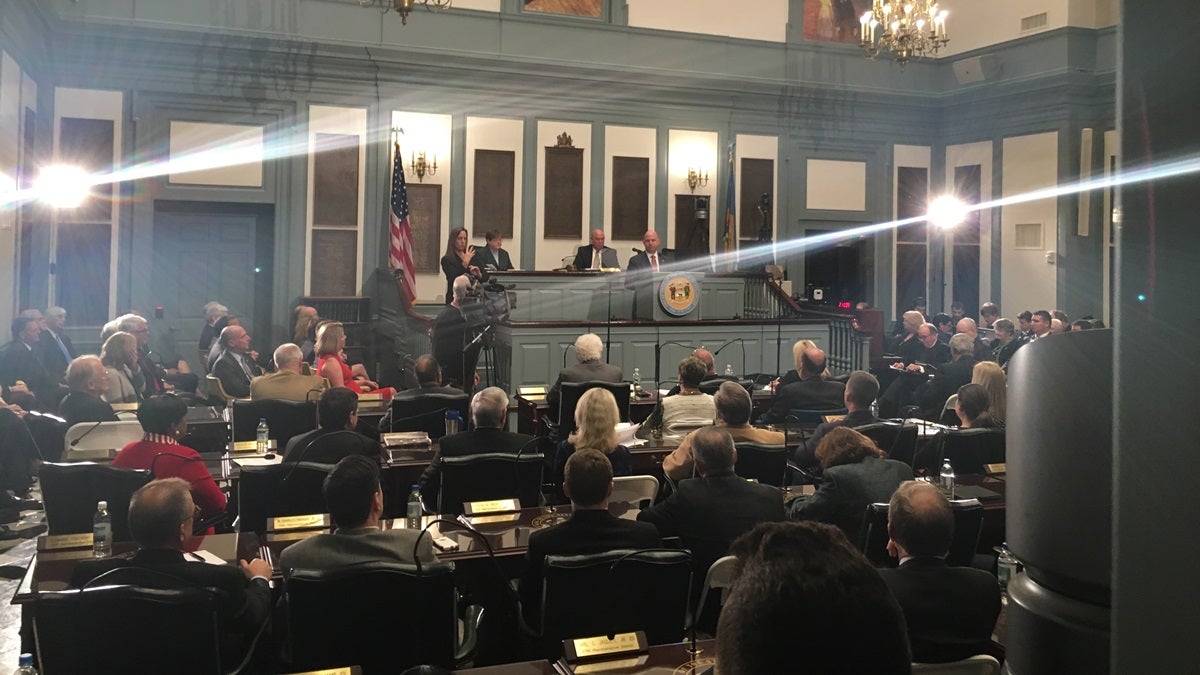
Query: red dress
[[177, 461], [348, 380]]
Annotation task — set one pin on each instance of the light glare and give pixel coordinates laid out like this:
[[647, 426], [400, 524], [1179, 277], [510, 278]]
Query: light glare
[[945, 212], [63, 186]]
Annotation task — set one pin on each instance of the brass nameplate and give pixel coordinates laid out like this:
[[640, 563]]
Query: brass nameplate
[[592, 647], [502, 518], [124, 407], [57, 542], [993, 469], [353, 670], [833, 418], [295, 535], [306, 522], [370, 396], [615, 665], [492, 506], [250, 446]]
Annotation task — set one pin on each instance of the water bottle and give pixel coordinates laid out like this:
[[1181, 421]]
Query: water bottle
[[1007, 566], [728, 370], [25, 666], [453, 422], [102, 531], [414, 508], [947, 479], [262, 436], [637, 379], [875, 408]]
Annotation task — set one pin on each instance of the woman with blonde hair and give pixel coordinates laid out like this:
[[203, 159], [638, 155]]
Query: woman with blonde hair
[[992, 378], [125, 379], [331, 361], [596, 418]]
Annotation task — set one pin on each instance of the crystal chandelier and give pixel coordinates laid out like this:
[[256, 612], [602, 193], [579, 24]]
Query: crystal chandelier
[[405, 7], [908, 29]]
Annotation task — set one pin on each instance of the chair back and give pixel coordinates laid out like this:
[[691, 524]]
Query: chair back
[[569, 400], [284, 418], [129, 629], [82, 440], [420, 628], [621, 590], [949, 416], [70, 493], [635, 490], [291, 489], [427, 413], [216, 389], [968, 522], [487, 476], [897, 439], [766, 464], [969, 449], [980, 664], [48, 432], [718, 578]]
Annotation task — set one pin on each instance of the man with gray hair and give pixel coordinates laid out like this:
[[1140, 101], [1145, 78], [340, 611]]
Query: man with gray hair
[[861, 390], [160, 379], [589, 349], [57, 351], [85, 402], [734, 407], [931, 396], [288, 383], [707, 513], [489, 410], [453, 339]]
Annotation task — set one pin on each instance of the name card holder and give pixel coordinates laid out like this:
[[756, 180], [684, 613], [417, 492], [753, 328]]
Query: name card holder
[[492, 506], [124, 407], [537, 393], [91, 454], [591, 648], [59, 542], [995, 469], [312, 521], [251, 446], [352, 670], [293, 535]]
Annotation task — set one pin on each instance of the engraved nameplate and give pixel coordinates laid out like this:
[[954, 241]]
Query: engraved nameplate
[[492, 506], [306, 522], [251, 446], [295, 535], [592, 647], [501, 518], [57, 542]]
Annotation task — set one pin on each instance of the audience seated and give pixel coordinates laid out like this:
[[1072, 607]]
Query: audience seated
[[164, 422], [304, 333], [57, 351], [931, 396], [988, 313], [711, 378], [861, 390], [160, 520], [159, 378], [709, 512], [88, 381], [590, 529], [355, 500], [287, 383], [429, 381], [213, 311], [972, 408], [588, 351], [18, 455], [910, 346], [804, 600], [1007, 341], [596, 419], [19, 363], [793, 376], [992, 378], [966, 326], [690, 408], [331, 362], [489, 409], [126, 382], [334, 437], [950, 611], [812, 392], [855, 474], [733, 407], [235, 368]]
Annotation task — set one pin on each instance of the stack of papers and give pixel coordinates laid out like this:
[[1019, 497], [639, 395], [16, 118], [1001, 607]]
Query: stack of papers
[[406, 439]]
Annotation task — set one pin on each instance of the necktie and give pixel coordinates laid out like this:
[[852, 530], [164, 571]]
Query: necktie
[[62, 347], [595, 259], [496, 257], [654, 261], [245, 366]]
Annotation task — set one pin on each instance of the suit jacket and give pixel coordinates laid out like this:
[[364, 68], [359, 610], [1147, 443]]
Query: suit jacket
[[21, 362], [242, 605], [79, 407], [286, 385], [597, 371], [639, 281], [680, 463], [1001, 352], [52, 356], [813, 394], [583, 257], [847, 489], [806, 455], [474, 442], [453, 268], [357, 545], [121, 388], [233, 377], [640, 262], [330, 446], [452, 349], [709, 512], [950, 611], [410, 394], [586, 531], [932, 395], [483, 260]]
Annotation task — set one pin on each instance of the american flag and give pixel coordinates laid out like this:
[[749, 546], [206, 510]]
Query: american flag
[[400, 250]]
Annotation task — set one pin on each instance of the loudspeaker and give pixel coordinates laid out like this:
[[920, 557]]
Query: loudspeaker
[[977, 69]]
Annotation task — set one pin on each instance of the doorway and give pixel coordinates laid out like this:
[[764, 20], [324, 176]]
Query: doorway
[[840, 268]]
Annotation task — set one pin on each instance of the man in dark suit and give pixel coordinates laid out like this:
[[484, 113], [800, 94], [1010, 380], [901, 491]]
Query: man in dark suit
[[57, 350], [596, 255], [950, 611], [900, 392], [931, 396], [160, 520], [492, 258], [709, 512], [88, 381], [20, 361], [429, 381], [489, 408], [590, 529], [236, 367], [812, 392], [452, 339], [861, 390], [641, 269], [335, 437], [588, 350]]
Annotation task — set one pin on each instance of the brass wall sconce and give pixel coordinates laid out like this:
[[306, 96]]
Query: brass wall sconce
[[696, 178], [419, 166]]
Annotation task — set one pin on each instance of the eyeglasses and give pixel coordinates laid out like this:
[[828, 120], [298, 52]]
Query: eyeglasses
[[195, 514]]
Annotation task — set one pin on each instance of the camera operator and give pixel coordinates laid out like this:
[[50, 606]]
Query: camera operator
[[452, 339]]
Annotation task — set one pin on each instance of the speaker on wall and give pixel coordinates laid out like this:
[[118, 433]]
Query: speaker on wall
[[977, 69]]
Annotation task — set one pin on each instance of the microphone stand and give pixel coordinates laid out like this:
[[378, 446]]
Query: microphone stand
[[740, 344], [658, 358]]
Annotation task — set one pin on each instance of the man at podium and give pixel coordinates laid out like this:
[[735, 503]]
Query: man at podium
[[642, 267]]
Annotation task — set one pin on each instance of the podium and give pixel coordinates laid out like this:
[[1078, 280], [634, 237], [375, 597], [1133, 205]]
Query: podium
[[595, 296]]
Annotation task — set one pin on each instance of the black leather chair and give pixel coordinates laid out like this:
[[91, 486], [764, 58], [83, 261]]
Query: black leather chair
[[766, 464], [329, 627], [967, 449], [279, 490], [569, 400], [284, 418], [968, 522], [70, 493], [897, 439], [427, 413], [622, 591], [48, 432], [490, 475], [128, 629]]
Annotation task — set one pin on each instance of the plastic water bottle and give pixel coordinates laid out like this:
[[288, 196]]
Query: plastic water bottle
[[728, 370], [262, 436], [875, 408], [25, 666], [947, 479], [637, 379], [1007, 567], [102, 531], [414, 508]]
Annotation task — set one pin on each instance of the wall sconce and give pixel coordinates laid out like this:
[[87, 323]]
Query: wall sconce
[[696, 178], [419, 166]]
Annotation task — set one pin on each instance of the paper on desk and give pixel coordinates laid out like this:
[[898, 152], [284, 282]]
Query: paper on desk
[[258, 461], [626, 434], [205, 556]]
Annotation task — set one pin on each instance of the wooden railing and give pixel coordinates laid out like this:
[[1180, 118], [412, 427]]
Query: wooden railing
[[764, 299]]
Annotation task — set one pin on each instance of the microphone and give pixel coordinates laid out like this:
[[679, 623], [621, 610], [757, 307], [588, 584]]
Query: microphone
[[658, 357], [517, 463], [565, 349], [84, 434], [637, 250], [741, 344]]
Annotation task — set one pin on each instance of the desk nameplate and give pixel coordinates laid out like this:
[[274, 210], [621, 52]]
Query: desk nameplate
[[492, 506], [352, 670], [294, 535], [58, 542], [304, 522], [492, 520], [251, 446], [599, 646]]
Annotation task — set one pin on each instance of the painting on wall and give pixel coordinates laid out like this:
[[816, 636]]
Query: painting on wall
[[570, 7], [833, 20]]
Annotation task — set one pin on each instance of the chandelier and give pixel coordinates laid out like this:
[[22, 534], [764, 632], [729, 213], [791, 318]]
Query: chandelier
[[405, 7], [906, 28]]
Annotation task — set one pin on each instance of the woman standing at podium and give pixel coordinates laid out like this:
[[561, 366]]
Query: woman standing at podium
[[457, 260]]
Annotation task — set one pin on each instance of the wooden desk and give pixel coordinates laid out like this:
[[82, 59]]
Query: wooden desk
[[531, 412], [673, 658]]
